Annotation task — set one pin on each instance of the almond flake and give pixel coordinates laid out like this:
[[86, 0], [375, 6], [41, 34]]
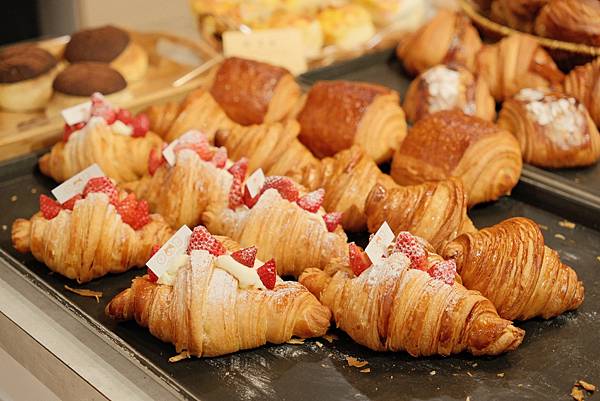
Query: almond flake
[[179, 357], [587, 386], [85, 292], [295, 341], [354, 362], [331, 337], [366, 370], [566, 224]]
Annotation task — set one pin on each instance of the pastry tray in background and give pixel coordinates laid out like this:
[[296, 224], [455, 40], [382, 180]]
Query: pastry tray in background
[[554, 355], [579, 187]]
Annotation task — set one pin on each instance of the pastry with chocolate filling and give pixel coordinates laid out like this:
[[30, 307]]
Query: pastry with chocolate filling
[[26, 74], [109, 44]]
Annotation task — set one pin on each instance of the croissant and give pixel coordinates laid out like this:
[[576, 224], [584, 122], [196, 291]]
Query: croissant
[[517, 14], [338, 114], [445, 88], [123, 158], [90, 241], [449, 143], [456, 42], [206, 314], [199, 111], [434, 211], [273, 147], [252, 92], [583, 83], [347, 179], [390, 307], [514, 63], [554, 130], [575, 21], [296, 238], [509, 264]]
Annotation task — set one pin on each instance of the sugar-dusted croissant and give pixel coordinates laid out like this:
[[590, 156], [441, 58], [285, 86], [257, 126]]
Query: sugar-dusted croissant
[[583, 83], [514, 63], [445, 87], [575, 21], [296, 238], [509, 264], [199, 111], [390, 307], [347, 179], [554, 130], [90, 241], [449, 143], [338, 114], [123, 158], [456, 42], [273, 147], [252, 92], [517, 14], [205, 313], [434, 211]]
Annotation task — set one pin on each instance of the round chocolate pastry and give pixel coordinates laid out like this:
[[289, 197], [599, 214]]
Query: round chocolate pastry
[[21, 62], [83, 79], [102, 44]]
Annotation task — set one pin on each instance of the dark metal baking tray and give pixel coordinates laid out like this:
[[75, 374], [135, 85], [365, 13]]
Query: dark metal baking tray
[[578, 186], [554, 354]]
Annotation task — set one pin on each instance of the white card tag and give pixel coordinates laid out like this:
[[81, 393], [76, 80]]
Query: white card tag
[[175, 246], [379, 243], [76, 184], [255, 182], [78, 113]]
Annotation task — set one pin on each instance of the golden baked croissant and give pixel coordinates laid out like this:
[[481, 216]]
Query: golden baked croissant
[[445, 87], [451, 144], [575, 21], [347, 179], [514, 63], [123, 158], [517, 14], [449, 38], [554, 130], [509, 264], [90, 241], [273, 147], [337, 114], [390, 307], [583, 83], [252, 92], [199, 111], [205, 313], [434, 211]]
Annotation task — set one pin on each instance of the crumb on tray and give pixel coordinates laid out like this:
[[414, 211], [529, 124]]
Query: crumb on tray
[[354, 362], [85, 292], [295, 341], [560, 236], [365, 370], [432, 373], [13, 198], [566, 224], [500, 374], [330, 337]]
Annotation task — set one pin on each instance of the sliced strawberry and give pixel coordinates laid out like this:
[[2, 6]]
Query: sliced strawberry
[[70, 204], [102, 108], [312, 201], [133, 212], [359, 261], [245, 256], [155, 160], [153, 278], [268, 274], [332, 220], [49, 207], [444, 271], [104, 185], [249, 200], [235, 194], [239, 169], [220, 157], [141, 125], [124, 116], [201, 239], [284, 185], [69, 129], [409, 245], [198, 143]]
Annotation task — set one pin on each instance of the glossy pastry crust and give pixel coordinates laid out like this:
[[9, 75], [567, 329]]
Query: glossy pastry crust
[[86, 78], [451, 144], [583, 83], [575, 21], [517, 14], [554, 130]]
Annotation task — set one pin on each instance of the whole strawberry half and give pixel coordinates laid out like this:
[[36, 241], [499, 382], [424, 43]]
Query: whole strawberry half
[[155, 160], [409, 245], [220, 157], [141, 125], [49, 207], [198, 143], [103, 185], [359, 261], [312, 201], [284, 185], [70, 204], [133, 212], [268, 274], [444, 271], [332, 220], [201, 239], [245, 256]]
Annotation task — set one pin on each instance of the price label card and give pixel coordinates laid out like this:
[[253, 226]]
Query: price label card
[[75, 184], [255, 182], [282, 47], [175, 246], [379, 243], [78, 113]]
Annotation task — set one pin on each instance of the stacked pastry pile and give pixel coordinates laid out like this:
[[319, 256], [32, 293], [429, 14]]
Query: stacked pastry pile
[[436, 286]]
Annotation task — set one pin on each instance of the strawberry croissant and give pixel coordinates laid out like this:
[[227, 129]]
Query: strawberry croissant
[[92, 234]]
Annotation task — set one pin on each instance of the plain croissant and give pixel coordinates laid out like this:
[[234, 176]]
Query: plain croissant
[[583, 83], [123, 158], [90, 241], [206, 314], [434, 211], [390, 307], [509, 264]]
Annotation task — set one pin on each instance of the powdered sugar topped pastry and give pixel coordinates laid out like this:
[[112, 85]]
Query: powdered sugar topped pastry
[[553, 129], [446, 87]]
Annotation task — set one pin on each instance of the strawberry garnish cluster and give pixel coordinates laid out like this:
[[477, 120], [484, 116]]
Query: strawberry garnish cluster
[[137, 125], [409, 245], [134, 212]]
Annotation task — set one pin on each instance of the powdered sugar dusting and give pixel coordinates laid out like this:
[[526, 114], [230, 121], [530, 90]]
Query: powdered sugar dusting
[[443, 85]]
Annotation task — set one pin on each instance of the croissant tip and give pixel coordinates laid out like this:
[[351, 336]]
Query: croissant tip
[[21, 229], [44, 164]]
